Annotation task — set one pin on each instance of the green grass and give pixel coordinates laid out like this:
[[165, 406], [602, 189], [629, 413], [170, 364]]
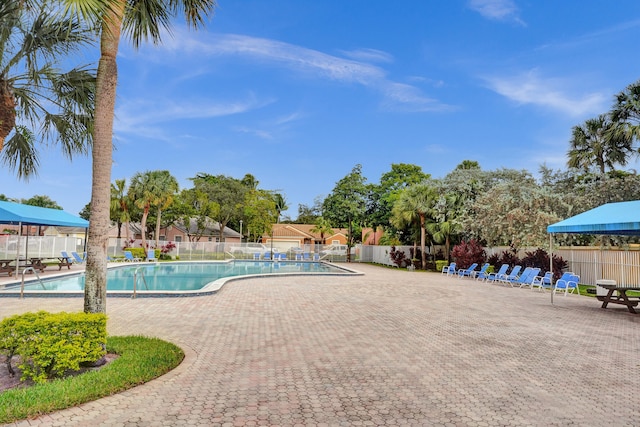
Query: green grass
[[141, 359]]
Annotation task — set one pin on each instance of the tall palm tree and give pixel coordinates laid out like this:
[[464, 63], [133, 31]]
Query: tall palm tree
[[415, 203], [119, 207], [140, 20], [152, 188], [169, 188], [281, 205], [599, 143], [445, 224], [626, 109], [39, 102]]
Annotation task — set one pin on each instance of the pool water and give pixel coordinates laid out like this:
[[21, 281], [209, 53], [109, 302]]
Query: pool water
[[180, 276]]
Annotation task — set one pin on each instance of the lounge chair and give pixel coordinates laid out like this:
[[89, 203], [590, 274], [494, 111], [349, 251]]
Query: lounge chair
[[305, 256], [542, 282], [567, 284], [449, 269], [482, 274], [467, 271], [316, 257], [513, 275], [77, 258], [256, 256], [283, 256], [151, 255], [128, 257], [492, 277], [527, 279]]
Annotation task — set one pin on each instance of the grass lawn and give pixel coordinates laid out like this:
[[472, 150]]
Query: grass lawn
[[140, 359]]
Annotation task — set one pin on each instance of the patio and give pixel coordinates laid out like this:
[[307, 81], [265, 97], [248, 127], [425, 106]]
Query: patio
[[388, 348]]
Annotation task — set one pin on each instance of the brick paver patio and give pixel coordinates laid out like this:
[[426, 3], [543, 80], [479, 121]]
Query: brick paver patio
[[387, 348]]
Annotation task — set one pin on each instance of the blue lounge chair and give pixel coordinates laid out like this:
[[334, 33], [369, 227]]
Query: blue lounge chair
[[128, 257], [151, 255], [316, 257], [256, 256], [513, 275], [567, 284], [542, 282], [468, 271], [283, 256], [306, 257], [527, 278], [449, 269], [498, 274], [482, 274], [267, 256], [77, 258]]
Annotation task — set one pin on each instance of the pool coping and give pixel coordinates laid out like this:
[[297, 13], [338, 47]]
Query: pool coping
[[208, 289]]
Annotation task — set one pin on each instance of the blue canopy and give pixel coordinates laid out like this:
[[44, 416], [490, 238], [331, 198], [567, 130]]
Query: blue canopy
[[622, 218], [16, 213]]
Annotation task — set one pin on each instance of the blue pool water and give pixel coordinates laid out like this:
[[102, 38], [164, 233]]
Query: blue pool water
[[179, 276]]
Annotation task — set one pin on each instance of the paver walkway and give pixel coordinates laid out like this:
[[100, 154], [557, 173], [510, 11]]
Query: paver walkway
[[388, 348]]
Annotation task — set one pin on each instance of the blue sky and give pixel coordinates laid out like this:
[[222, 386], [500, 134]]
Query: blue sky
[[297, 92]]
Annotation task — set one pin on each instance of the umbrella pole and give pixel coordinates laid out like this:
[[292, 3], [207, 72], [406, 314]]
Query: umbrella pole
[[551, 284]]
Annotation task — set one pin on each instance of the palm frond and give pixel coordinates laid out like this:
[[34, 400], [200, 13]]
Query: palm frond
[[20, 154]]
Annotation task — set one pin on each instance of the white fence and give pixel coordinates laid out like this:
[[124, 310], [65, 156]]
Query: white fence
[[38, 246]]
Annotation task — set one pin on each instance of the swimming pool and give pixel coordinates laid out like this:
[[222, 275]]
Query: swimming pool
[[175, 278]]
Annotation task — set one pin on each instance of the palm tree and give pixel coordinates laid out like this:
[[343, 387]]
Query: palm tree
[[445, 224], [141, 21], [119, 207], [599, 142], [281, 205], [415, 202], [40, 103], [152, 188], [626, 109], [322, 226]]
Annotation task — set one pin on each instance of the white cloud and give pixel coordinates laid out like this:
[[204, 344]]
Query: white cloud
[[529, 88], [498, 10], [398, 96]]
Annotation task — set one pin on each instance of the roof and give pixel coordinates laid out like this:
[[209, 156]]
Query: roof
[[622, 218], [301, 231], [16, 213]]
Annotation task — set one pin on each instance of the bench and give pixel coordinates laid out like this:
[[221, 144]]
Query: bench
[[630, 301]]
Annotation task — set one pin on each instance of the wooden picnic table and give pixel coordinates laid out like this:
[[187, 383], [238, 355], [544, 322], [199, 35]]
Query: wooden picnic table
[[621, 298], [5, 266]]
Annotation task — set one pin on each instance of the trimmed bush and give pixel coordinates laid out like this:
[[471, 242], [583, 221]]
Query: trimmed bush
[[51, 344], [466, 253]]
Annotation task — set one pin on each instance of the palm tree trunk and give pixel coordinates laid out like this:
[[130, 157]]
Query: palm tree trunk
[[423, 242], [158, 228], [95, 289], [143, 226]]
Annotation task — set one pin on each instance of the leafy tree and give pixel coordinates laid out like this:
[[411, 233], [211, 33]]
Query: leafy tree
[[41, 201], [260, 211], [141, 21], [250, 181], [85, 213], [416, 202], [227, 193], [194, 211], [309, 214], [346, 204], [446, 223], [598, 144], [40, 103]]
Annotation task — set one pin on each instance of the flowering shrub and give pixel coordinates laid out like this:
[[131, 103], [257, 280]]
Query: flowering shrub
[[466, 253]]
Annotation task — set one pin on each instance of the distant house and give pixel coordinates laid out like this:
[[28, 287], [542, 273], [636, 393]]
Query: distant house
[[286, 236], [179, 233]]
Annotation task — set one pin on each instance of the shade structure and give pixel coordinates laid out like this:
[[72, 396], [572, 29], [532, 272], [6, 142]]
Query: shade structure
[[18, 214], [621, 218]]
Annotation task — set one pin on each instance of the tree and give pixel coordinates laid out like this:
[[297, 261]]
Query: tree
[[446, 223], [346, 205], [152, 188], [141, 21], [322, 226], [597, 143], [260, 211], [195, 211], [415, 203], [41, 201], [281, 205], [40, 103], [227, 192], [120, 206], [626, 109]]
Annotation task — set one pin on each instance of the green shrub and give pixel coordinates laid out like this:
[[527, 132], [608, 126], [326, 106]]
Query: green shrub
[[440, 264], [138, 253], [51, 344]]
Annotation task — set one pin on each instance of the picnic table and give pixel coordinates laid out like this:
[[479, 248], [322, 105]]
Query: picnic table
[[64, 262], [621, 297], [5, 266], [35, 263]]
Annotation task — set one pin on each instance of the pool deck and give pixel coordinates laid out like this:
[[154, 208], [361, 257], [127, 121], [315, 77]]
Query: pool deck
[[391, 347]]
